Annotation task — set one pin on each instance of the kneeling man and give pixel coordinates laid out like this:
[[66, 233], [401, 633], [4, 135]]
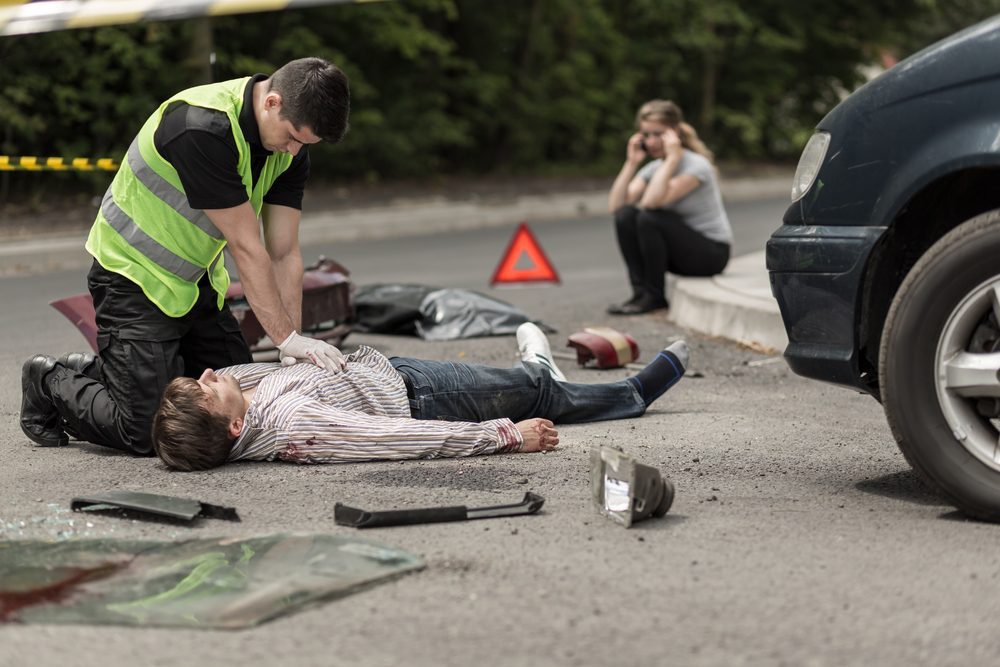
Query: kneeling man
[[388, 409]]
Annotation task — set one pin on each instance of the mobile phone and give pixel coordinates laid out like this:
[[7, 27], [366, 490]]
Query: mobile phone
[[642, 145]]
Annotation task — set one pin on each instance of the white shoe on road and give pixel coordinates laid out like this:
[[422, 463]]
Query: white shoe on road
[[534, 347]]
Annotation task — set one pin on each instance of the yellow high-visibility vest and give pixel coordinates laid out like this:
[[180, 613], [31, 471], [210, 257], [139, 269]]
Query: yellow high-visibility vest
[[145, 229]]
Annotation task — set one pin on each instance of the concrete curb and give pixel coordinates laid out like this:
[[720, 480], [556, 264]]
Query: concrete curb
[[736, 305]]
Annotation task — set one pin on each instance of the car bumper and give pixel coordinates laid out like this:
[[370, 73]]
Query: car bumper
[[816, 275]]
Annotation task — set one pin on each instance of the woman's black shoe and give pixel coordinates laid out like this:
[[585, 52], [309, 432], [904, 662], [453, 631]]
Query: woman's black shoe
[[646, 304], [618, 308]]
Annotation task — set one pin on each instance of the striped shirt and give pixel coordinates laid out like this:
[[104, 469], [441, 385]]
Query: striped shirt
[[305, 414]]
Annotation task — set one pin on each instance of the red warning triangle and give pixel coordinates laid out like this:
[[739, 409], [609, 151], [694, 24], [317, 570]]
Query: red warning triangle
[[524, 261]]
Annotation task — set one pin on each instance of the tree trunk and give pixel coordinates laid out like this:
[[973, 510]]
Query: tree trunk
[[709, 81], [201, 55], [501, 152]]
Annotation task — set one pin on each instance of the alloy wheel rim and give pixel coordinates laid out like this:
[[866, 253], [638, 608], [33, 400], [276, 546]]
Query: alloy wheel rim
[[967, 372]]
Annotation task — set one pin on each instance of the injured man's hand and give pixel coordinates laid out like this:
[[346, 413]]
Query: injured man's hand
[[539, 435]]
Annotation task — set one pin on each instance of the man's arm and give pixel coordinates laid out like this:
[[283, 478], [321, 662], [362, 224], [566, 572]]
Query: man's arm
[[239, 225], [281, 238], [320, 433]]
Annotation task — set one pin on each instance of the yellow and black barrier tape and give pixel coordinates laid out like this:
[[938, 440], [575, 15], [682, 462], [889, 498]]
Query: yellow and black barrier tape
[[29, 163], [21, 18]]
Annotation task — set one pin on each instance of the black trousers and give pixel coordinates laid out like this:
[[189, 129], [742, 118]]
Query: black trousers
[[141, 350], [654, 241]]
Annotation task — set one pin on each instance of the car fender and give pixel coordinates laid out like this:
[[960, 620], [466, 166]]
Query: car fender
[[970, 145]]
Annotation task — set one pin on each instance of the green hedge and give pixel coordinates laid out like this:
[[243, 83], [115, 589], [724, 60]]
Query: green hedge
[[478, 86]]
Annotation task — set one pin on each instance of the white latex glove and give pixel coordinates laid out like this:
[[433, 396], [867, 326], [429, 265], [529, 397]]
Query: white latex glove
[[302, 348]]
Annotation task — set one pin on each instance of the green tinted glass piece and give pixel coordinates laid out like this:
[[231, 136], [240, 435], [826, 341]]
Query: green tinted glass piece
[[203, 583]]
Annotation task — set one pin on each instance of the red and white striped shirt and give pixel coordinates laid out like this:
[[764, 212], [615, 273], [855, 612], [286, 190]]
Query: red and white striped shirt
[[305, 414]]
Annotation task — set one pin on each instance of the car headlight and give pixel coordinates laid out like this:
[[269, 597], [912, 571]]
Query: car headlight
[[812, 158]]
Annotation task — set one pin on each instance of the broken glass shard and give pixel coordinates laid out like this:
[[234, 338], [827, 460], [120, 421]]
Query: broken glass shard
[[203, 583]]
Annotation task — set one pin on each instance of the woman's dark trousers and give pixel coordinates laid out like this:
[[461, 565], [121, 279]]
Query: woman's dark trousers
[[655, 241]]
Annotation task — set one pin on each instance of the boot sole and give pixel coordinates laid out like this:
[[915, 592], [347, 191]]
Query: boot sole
[[42, 442]]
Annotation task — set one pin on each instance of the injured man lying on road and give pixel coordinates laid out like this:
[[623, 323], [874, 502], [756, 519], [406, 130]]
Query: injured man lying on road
[[390, 409]]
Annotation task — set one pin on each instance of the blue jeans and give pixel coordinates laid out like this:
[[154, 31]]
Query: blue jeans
[[466, 392]]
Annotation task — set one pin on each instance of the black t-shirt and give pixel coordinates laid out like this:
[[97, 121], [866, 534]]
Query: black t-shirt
[[199, 143]]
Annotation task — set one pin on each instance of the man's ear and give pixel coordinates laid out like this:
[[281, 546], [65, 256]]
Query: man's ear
[[272, 101], [235, 427]]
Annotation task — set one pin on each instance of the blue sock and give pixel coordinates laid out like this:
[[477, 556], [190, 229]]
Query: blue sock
[[662, 372]]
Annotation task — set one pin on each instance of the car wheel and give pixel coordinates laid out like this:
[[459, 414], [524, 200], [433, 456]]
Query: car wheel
[[939, 362]]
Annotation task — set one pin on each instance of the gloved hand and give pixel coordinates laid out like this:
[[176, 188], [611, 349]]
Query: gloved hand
[[302, 348]]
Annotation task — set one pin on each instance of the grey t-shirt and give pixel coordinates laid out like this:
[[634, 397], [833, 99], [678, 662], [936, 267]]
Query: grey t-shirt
[[701, 208]]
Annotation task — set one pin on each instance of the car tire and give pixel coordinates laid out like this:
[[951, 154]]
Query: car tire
[[938, 364]]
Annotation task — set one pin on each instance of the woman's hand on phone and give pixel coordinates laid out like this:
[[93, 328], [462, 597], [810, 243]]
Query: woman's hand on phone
[[635, 152]]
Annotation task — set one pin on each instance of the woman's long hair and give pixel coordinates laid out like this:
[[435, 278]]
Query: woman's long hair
[[668, 113]]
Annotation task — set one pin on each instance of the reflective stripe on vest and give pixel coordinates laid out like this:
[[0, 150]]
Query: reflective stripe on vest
[[170, 195], [143, 242], [146, 244]]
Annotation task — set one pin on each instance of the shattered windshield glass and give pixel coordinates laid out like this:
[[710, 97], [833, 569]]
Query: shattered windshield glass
[[202, 583]]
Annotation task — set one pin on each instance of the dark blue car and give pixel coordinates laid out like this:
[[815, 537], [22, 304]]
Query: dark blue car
[[887, 264]]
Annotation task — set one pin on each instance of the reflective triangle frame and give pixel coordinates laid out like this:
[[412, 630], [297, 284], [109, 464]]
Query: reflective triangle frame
[[524, 241]]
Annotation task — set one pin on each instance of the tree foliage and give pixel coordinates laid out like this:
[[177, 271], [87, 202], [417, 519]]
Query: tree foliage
[[481, 86]]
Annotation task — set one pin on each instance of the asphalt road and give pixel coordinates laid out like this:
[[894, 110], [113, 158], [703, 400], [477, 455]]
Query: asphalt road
[[798, 536]]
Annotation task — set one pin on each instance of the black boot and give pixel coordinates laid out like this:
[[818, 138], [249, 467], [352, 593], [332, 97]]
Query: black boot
[[39, 419]]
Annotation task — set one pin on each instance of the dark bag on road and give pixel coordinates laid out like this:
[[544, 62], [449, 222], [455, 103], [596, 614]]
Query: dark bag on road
[[433, 313]]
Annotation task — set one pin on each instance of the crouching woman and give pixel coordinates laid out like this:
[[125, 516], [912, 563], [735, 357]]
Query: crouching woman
[[668, 214]]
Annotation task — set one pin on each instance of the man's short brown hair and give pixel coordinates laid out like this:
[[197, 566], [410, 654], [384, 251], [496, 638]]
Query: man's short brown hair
[[314, 93], [187, 435]]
